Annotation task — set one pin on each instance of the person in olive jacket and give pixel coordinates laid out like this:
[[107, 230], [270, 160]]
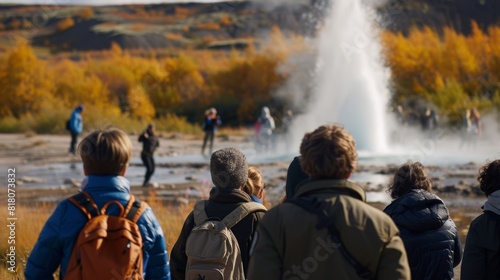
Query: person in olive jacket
[[229, 172], [429, 234], [482, 246], [288, 245]]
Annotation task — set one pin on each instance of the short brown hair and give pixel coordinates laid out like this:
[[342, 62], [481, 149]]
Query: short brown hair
[[328, 152], [489, 177], [255, 182], [105, 152], [411, 175]]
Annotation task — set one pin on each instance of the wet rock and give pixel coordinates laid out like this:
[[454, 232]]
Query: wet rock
[[388, 170], [26, 179], [476, 190], [449, 189], [73, 182]]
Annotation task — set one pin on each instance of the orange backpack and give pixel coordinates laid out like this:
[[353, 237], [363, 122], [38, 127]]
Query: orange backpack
[[108, 247]]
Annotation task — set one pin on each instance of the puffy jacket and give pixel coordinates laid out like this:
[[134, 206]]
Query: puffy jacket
[[430, 236], [58, 236], [289, 246], [482, 249], [76, 122], [220, 204]]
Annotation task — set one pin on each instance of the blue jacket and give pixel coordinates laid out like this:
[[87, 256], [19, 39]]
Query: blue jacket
[[430, 236], [56, 241], [75, 122]]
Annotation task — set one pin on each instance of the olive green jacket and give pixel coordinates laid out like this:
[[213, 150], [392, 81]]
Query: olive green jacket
[[287, 244]]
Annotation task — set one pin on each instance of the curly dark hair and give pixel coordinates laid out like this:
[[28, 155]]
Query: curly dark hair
[[489, 177], [411, 175]]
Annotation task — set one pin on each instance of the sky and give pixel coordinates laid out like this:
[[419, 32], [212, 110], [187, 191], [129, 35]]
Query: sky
[[97, 2]]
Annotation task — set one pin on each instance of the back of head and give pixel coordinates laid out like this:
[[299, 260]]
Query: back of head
[[105, 152], [255, 182], [294, 176], [328, 152], [79, 108], [411, 175], [229, 168], [489, 177]]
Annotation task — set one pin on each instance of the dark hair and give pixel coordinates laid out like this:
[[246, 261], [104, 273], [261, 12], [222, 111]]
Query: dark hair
[[328, 152], [411, 175], [229, 168], [105, 152], [489, 177]]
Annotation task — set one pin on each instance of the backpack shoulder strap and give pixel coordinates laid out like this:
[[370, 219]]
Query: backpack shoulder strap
[[134, 209], [241, 212], [84, 202], [199, 213], [318, 207]]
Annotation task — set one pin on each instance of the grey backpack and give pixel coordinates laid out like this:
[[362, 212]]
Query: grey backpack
[[212, 250]]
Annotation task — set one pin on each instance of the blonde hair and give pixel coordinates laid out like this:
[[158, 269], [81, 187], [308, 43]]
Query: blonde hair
[[328, 152], [255, 182], [105, 152]]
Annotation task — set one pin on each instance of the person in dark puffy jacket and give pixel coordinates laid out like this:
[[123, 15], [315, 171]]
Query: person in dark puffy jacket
[[482, 246], [105, 155], [429, 234]]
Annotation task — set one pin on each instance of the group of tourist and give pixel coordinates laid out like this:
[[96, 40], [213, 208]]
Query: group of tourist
[[322, 229]]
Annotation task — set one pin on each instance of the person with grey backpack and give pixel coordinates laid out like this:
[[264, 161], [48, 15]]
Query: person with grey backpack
[[215, 239]]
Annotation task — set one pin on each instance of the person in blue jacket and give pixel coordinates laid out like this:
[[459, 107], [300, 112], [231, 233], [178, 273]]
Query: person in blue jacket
[[105, 155], [429, 234], [75, 127]]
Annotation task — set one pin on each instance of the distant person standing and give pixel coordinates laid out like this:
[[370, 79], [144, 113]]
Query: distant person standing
[[75, 127], [475, 122], [210, 124], [266, 127], [149, 144]]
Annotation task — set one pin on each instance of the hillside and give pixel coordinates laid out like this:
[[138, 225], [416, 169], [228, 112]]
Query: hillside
[[404, 14], [221, 25], [218, 25]]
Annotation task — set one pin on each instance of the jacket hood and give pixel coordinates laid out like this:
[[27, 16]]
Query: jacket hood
[[418, 211], [265, 113], [331, 186]]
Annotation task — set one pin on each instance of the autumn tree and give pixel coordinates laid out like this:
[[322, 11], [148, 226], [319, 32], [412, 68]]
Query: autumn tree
[[26, 83]]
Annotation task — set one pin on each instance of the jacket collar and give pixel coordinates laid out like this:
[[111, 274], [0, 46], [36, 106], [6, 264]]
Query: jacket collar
[[332, 186], [227, 195], [108, 183]]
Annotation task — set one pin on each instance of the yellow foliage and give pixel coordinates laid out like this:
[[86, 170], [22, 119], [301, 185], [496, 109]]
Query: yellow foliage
[[139, 104], [226, 20], [65, 24], [26, 82], [86, 13], [208, 26]]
